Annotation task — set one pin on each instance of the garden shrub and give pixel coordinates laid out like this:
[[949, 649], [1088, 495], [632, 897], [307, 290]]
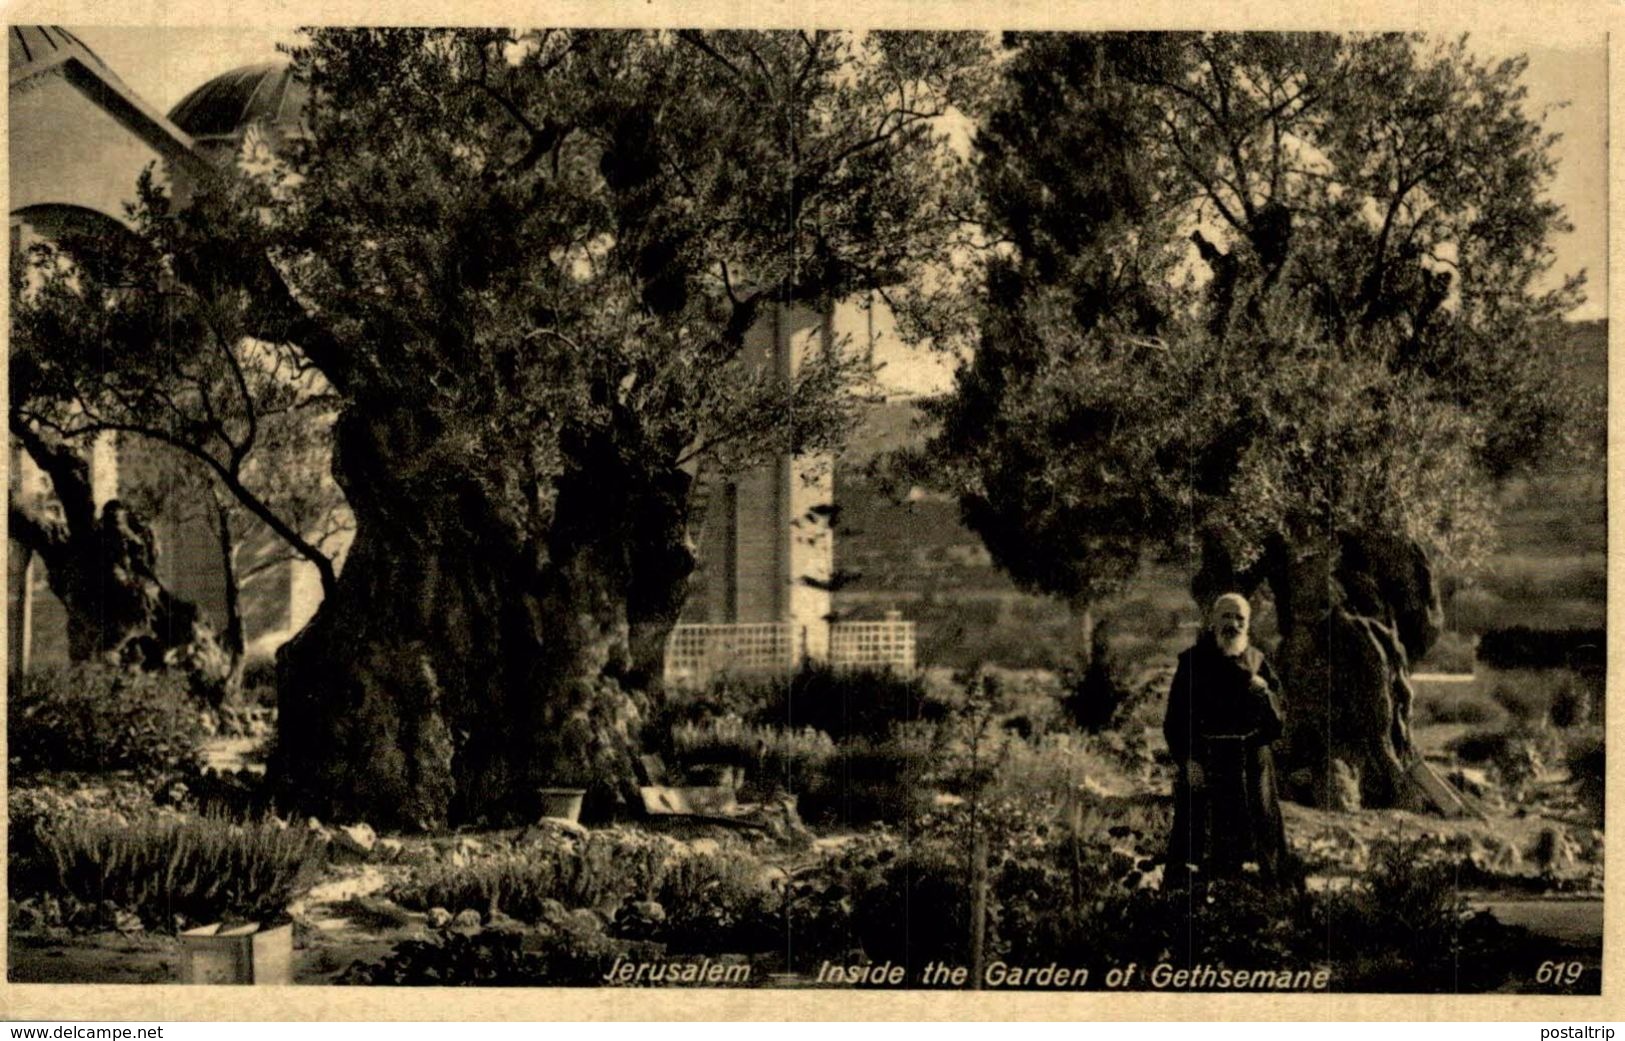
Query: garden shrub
[[1528, 694], [916, 908], [168, 869], [1520, 647], [598, 872], [94, 717], [712, 902], [867, 782], [718, 904], [1400, 930], [1588, 774], [775, 758], [726, 695], [1457, 703], [1516, 755], [847, 703], [1577, 700], [1056, 895], [259, 682], [565, 955], [1452, 652]]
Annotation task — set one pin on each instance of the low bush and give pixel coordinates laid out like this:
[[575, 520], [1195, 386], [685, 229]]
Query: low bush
[[1578, 700], [259, 682], [1520, 647], [719, 904], [847, 703], [869, 782], [1588, 774], [94, 717], [169, 870], [1456, 703], [563, 956], [775, 758], [1526, 694], [1057, 892], [712, 902], [599, 872], [1452, 652], [1516, 755], [741, 697]]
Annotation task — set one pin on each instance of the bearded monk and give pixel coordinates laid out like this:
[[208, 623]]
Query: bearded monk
[[1223, 713]]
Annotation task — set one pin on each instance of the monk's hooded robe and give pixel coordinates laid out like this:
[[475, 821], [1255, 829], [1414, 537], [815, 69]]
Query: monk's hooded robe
[[1218, 720]]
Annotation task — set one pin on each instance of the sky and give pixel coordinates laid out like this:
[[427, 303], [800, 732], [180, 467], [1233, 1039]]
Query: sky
[[163, 64]]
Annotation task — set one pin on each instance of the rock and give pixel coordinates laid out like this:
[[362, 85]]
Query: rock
[[649, 910], [550, 831], [415, 854], [551, 912], [1342, 787], [1496, 856], [467, 919], [389, 850], [128, 922], [356, 838], [584, 920], [318, 830], [438, 918], [25, 916], [499, 922], [704, 847], [1471, 780]]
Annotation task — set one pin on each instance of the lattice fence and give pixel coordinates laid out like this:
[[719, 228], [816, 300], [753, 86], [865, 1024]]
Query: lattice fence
[[871, 645], [696, 653]]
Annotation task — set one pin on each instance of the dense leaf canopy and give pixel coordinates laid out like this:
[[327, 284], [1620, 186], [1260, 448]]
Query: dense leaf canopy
[[1251, 289]]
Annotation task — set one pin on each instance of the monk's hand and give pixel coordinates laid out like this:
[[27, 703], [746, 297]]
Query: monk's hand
[[1259, 686], [1194, 776]]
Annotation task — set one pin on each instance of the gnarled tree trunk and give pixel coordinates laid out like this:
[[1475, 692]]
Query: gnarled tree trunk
[[102, 565], [1354, 612], [468, 657]]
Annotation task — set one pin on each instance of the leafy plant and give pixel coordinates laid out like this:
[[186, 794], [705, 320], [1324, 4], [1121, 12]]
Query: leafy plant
[[1450, 705], [865, 782], [160, 867], [555, 957], [94, 717], [776, 756], [847, 703], [1588, 773], [718, 904]]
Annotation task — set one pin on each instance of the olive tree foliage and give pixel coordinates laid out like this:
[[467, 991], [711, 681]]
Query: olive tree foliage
[[1276, 305], [526, 266], [290, 471], [111, 338]]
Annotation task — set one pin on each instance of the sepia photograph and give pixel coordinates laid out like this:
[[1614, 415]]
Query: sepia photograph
[[1037, 512]]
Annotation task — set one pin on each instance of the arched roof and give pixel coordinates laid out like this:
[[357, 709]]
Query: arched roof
[[38, 53], [227, 105], [32, 48]]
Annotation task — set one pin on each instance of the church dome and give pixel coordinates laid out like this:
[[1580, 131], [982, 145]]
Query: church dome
[[31, 48], [225, 107]]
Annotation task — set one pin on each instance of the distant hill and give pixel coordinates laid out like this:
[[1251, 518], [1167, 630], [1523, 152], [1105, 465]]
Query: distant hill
[[1549, 570]]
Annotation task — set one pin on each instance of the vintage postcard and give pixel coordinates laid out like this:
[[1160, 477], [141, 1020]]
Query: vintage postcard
[[702, 513]]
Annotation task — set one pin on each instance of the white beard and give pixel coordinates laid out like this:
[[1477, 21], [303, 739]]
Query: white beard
[[1233, 646]]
